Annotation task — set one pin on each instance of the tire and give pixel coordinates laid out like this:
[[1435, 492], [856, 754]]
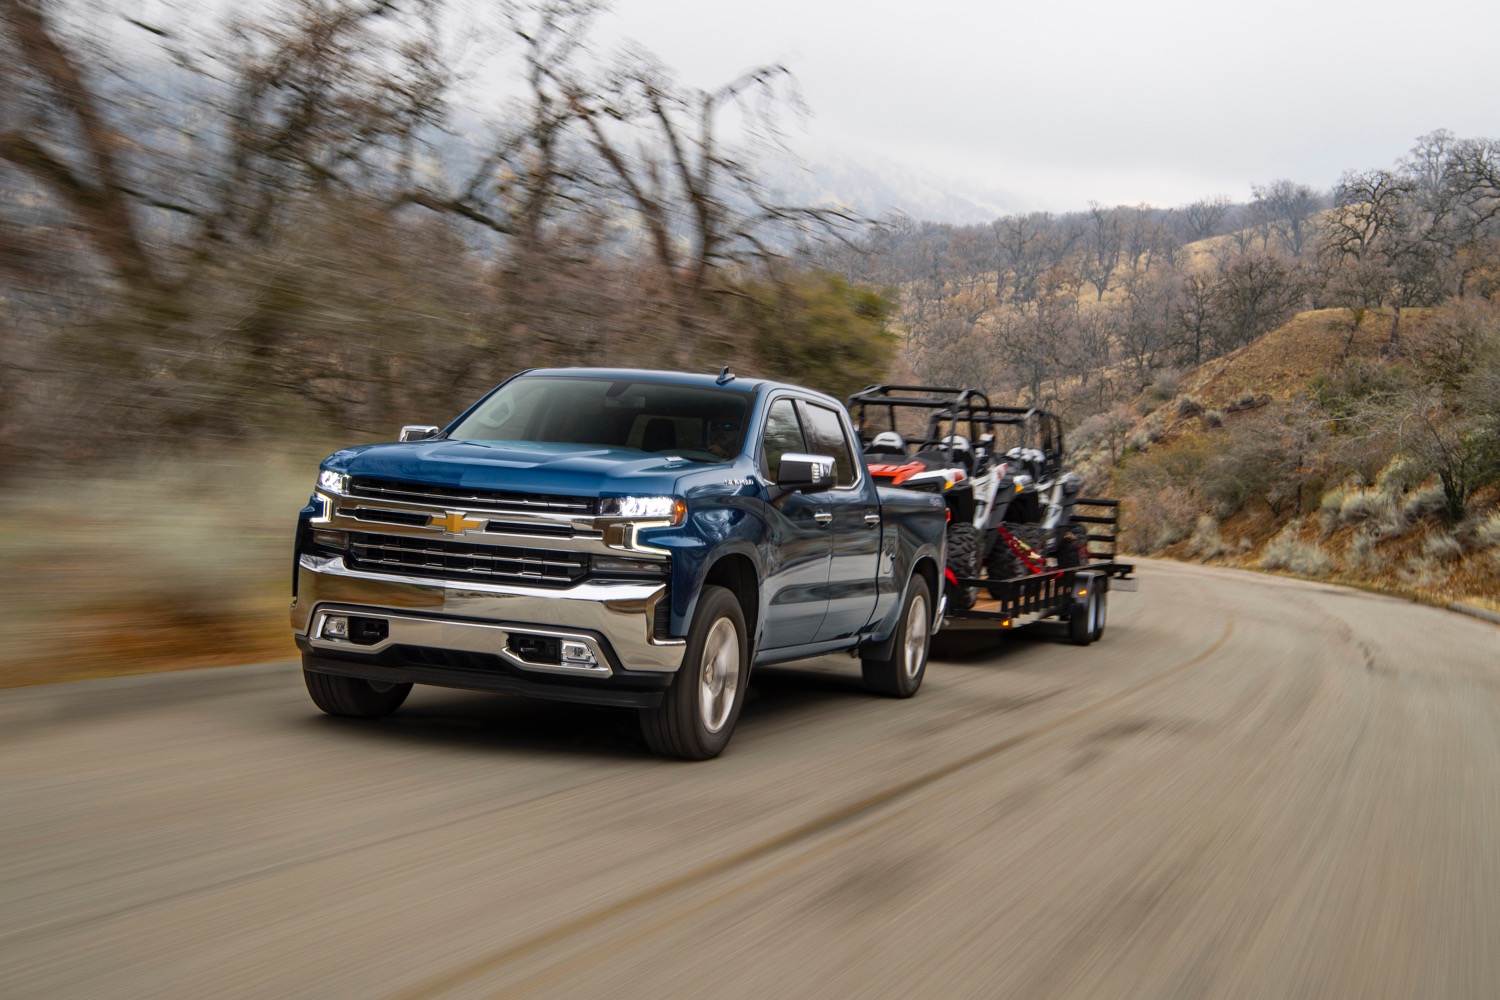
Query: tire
[[1004, 564], [900, 674], [353, 697], [1072, 546], [1101, 614], [1082, 623], [963, 560], [700, 709]]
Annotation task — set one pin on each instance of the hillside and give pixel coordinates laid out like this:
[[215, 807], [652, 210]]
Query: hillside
[[1309, 452]]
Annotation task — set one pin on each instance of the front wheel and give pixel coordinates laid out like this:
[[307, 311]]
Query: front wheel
[[353, 696], [700, 709], [900, 674]]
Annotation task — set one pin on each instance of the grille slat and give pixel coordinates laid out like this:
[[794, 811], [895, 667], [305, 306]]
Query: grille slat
[[501, 500], [495, 563]]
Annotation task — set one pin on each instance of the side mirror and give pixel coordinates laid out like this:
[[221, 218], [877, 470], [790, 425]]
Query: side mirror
[[812, 473], [418, 432]]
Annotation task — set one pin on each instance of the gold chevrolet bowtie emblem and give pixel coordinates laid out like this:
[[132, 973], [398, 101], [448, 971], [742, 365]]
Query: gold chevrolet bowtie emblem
[[454, 522]]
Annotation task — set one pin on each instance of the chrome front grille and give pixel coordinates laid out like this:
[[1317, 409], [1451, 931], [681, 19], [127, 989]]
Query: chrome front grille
[[488, 500], [416, 556]]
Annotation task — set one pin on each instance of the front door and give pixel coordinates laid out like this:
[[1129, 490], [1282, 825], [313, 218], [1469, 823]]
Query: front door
[[798, 542], [854, 528]]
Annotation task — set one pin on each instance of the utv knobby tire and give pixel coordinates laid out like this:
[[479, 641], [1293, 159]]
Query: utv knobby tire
[[900, 674], [353, 697], [1003, 564], [1073, 546], [700, 709], [963, 560]]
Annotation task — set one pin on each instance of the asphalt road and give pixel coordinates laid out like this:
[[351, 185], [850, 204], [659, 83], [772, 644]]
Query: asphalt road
[[1250, 787]]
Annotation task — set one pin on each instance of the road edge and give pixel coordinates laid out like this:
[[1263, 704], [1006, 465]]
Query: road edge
[[1482, 613]]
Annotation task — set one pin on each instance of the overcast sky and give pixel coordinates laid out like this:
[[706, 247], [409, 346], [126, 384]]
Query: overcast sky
[[1057, 104]]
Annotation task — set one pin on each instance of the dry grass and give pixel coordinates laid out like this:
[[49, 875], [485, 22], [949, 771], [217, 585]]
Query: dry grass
[[1281, 363], [149, 567]]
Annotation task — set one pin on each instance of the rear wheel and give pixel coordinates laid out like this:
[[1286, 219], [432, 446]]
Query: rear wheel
[[899, 675], [353, 697], [700, 709], [963, 560]]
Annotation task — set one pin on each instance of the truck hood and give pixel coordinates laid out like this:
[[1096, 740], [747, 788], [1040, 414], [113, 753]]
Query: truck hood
[[523, 466]]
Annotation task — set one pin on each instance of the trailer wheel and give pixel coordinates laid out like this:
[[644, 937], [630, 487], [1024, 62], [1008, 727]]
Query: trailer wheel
[[698, 714], [900, 674], [1099, 616], [963, 560], [352, 696], [1083, 621]]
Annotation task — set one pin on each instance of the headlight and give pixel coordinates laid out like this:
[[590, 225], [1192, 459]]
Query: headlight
[[672, 510], [333, 482]]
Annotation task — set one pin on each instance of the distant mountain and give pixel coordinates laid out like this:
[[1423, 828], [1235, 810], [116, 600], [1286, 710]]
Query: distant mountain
[[877, 187]]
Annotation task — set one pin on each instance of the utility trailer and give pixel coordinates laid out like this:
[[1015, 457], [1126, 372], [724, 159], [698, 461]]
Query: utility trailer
[[1075, 595]]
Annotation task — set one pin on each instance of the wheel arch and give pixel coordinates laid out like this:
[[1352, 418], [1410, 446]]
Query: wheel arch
[[736, 573]]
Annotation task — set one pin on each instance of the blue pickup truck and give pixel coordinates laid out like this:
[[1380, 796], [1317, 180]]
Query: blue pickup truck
[[614, 537]]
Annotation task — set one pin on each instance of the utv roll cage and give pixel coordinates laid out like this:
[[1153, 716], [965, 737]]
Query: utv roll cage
[[1037, 429], [947, 414]]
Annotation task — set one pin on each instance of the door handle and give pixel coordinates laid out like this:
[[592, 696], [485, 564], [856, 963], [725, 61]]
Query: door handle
[[871, 519], [823, 517]]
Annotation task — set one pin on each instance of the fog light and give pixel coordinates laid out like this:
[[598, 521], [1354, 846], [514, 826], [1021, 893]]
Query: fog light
[[335, 627], [577, 652]]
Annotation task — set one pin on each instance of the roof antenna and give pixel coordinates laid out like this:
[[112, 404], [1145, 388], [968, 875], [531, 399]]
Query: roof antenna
[[724, 376]]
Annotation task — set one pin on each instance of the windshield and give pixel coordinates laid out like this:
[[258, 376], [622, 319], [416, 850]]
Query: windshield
[[704, 425]]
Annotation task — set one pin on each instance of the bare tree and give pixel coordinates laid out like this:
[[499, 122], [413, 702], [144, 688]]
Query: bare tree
[[1201, 219], [1103, 238], [1288, 209]]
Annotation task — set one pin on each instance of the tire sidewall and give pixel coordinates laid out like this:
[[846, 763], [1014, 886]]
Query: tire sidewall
[[910, 683], [714, 604]]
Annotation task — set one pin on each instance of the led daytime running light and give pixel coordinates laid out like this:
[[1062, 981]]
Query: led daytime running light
[[671, 509]]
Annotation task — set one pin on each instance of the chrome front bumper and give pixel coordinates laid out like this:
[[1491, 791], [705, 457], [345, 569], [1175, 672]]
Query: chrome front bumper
[[613, 621]]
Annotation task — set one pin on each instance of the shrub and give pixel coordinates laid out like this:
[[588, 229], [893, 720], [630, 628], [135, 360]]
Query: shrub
[[1206, 543], [1330, 506], [1400, 474], [1213, 418], [1487, 532], [1166, 385], [1361, 556], [1287, 552], [1429, 501], [1369, 505], [1441, 546], [1105, 432], [1158, 518], [1187, 406], [1424, 572]]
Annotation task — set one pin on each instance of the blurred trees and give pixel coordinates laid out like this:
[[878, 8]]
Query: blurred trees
[[290, 217]]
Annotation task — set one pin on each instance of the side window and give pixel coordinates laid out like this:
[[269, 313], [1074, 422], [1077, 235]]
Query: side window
[[783, 434], [825, 433]]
